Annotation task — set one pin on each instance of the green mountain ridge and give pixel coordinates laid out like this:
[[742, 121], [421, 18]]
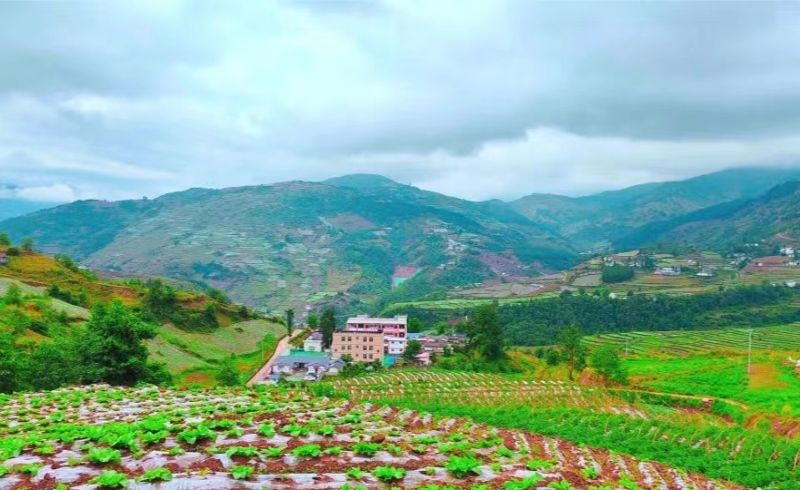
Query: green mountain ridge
[[728, 224], [602, 219], [295, 243]]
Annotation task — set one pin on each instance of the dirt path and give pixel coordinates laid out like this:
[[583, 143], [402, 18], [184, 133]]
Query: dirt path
[[263, 372], [682, 396]]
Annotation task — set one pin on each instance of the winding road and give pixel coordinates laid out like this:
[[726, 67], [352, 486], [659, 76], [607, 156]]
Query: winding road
[[263, 372]]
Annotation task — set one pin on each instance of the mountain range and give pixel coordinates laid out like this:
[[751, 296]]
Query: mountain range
[[345, 239]]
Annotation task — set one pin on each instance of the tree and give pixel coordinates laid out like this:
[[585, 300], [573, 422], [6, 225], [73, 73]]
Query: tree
[[27, 244], [415, 325], [227, 374], [572, 351], [413, 348], [289, 321], [328, 325], [4, 240], [13, 295], [616, 273], [487, 332], [313, 321], [160, 299], [605, 360], [9, 364], [112, 348]]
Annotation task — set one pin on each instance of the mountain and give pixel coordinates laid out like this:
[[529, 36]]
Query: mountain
[[10, 208], [296, 243], [599, 219], [733, 223]]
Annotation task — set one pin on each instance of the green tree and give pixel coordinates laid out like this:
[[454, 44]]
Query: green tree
[[313, 321], [487, 332], [160, 299], [4, 240], [289, 321], [9, 364], [13, 295], [112, 348], [27, 244], [413, 348], [605, 360], [328, 325], [415, 325], [227, 374], [572, 351], [616, 273]]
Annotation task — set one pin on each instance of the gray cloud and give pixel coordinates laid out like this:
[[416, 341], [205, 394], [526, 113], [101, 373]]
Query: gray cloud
[[477, 99]]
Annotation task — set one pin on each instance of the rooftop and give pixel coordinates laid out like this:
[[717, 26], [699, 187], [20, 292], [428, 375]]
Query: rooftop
[[377, 320]]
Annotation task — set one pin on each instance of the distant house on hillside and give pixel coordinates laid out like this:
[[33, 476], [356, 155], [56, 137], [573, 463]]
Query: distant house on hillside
[[631, 259], [705, 272], [3, 258], [668, 271]]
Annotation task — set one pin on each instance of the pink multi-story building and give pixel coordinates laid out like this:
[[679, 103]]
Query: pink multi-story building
[[395, 330]]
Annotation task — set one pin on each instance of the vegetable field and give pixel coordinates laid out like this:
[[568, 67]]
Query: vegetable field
[[682, 343], [104, 437], [691, 433]]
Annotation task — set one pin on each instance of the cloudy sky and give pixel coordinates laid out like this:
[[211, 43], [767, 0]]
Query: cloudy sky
[[475, 99]]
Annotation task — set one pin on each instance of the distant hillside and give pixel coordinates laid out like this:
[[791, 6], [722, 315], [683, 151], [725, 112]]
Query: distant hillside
[[10, 208], [603, 218], [295, 243], [734, 223], [197, 329]]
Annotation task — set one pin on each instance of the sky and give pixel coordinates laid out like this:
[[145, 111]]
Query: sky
[[494, 99]]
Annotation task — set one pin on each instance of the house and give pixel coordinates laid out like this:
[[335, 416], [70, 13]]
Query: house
[[705, 272], [313, 343], [394, 330], [787, 251], [3, 258], [305, 366], [423, 358], [436, 344], [631, 259], [361, 345], [668, 271]]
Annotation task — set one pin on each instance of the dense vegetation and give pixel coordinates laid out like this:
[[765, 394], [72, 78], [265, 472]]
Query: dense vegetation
[[617, 273], [108, 348]]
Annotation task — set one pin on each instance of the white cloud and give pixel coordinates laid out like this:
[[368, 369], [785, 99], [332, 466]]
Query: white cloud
[[477, 99]]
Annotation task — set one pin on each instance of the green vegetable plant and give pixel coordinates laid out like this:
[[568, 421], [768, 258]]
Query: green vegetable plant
[[242, 472], [389, 473], [111, 479], [156, 474], [460, 467]]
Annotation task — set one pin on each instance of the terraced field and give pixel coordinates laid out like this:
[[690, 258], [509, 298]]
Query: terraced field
[[103, 437], [681, 343], [692, 432]]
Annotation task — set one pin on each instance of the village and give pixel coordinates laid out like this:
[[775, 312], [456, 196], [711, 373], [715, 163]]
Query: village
[[371, 341]]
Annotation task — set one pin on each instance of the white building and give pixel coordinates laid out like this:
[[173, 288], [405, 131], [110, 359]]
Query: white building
[[395, 330], [313, 342]]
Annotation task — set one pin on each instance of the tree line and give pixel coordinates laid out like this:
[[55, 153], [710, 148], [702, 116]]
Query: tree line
[[539, 322]]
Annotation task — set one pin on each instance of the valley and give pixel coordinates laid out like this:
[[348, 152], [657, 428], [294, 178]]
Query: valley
[[549, 361]]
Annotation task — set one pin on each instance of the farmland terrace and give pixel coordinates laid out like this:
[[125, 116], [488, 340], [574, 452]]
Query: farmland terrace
[[99, 436]]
